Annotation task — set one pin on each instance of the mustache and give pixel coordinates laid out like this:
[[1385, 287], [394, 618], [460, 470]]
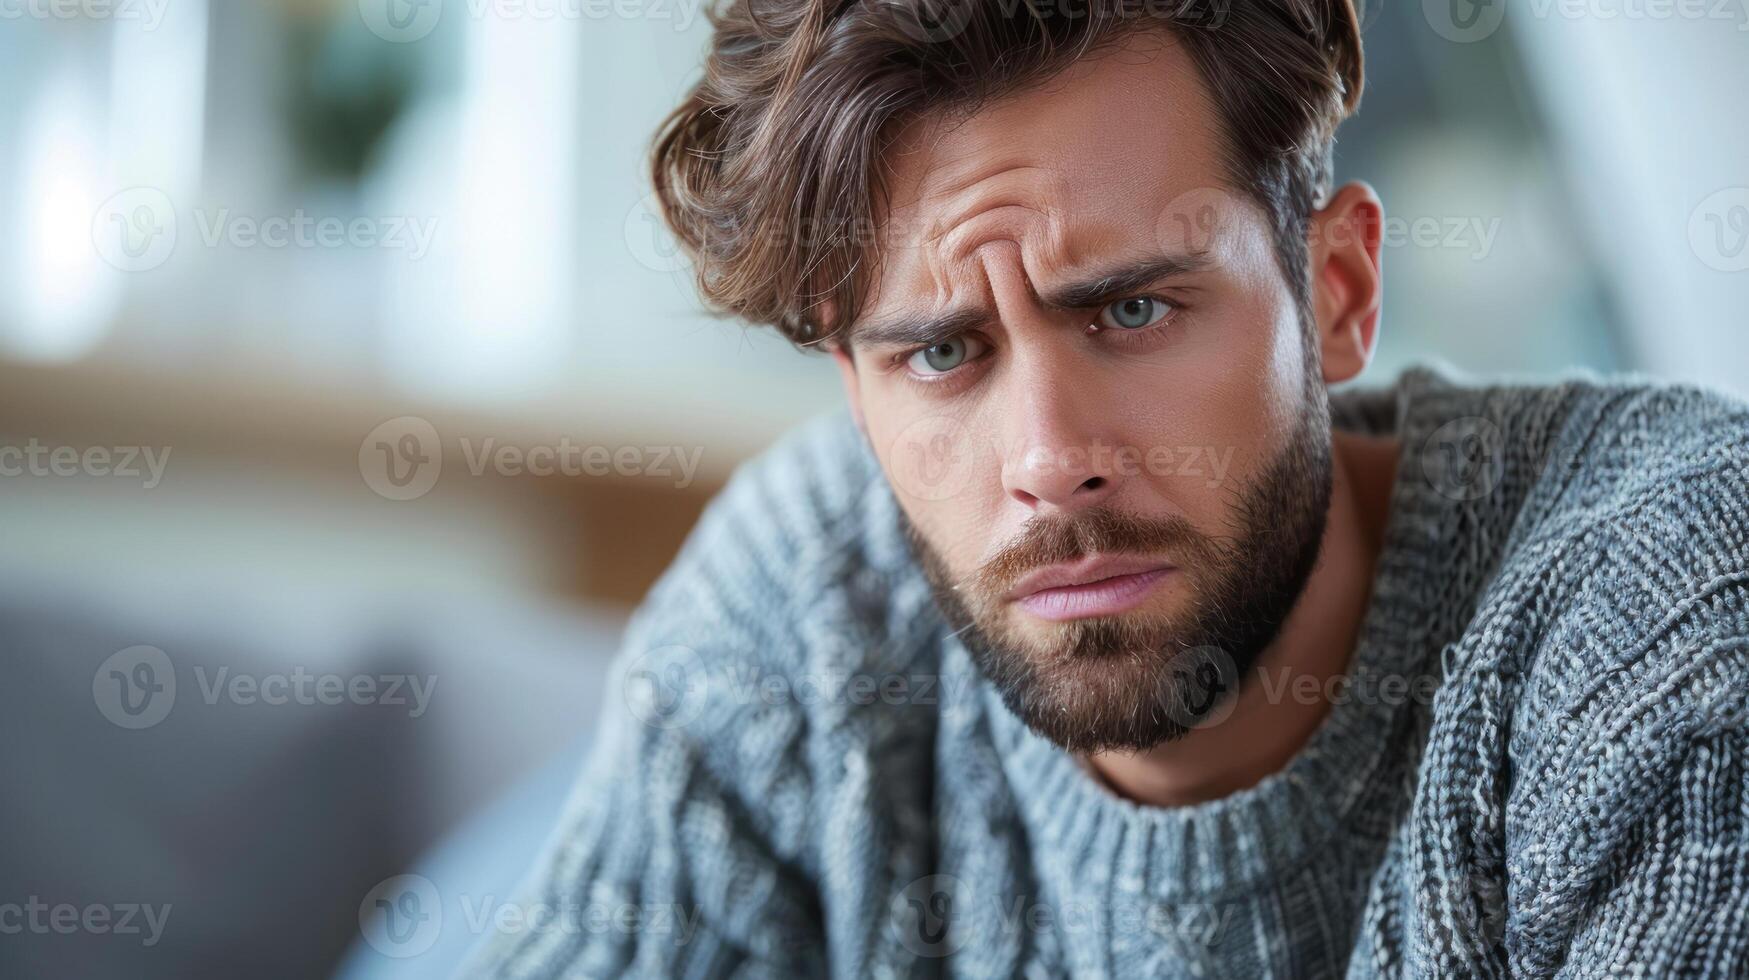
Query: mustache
[[1053, 540]]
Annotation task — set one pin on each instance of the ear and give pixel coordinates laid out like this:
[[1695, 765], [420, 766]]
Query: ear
[[1347, 278], [852, 384]]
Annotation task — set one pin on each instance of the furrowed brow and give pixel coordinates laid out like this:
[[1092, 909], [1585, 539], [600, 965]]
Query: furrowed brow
[[909, 331], [1122, 281], [924, 330]]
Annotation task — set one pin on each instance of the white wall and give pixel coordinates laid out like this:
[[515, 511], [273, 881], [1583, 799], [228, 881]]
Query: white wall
[[1648, 113]]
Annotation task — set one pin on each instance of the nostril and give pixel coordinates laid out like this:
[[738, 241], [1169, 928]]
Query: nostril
[[1093, 483]]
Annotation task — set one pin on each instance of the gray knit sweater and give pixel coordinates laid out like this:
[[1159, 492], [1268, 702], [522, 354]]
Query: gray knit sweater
[[1539, 764]]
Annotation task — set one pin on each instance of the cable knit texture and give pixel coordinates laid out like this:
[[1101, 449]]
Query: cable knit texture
[[1537, 767]]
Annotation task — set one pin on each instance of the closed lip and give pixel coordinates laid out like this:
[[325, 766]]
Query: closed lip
[[1086, 571]]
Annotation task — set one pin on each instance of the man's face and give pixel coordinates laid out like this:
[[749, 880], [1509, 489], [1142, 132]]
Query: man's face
[[1085, 376]]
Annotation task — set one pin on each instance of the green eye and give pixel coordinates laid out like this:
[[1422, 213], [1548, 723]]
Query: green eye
[[1134, 313], [945, 356]]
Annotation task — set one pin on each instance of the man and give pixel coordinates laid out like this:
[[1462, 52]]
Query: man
[[1101, 639]]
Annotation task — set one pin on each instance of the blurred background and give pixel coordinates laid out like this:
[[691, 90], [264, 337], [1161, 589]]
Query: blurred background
[[351, 394]]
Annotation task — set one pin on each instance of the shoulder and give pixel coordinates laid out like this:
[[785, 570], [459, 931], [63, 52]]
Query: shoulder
[[801, 557], [788, 637], [1637, 534], [1621, 605], [1629, 559], [1630, 580]]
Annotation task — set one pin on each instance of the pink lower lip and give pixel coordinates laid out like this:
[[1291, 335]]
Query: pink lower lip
[[1106, 597]]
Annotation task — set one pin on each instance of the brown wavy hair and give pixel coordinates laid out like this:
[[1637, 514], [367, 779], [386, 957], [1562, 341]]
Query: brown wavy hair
[[769, 172]]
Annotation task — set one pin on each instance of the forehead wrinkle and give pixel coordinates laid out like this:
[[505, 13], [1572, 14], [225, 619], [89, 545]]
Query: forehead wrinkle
[[951, 193], [1027, 227], [957, 199]]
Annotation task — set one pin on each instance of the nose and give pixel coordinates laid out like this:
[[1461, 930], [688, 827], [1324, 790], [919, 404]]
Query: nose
[[1058, 458]]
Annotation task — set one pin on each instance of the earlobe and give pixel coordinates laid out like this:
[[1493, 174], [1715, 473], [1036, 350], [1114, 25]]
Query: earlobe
[[1347, 278], [852, 384]]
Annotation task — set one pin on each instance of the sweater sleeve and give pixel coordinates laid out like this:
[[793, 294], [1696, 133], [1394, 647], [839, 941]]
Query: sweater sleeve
[[684, 849], [1640, 856], [1669, 892], [1675, 901], [660, 866]]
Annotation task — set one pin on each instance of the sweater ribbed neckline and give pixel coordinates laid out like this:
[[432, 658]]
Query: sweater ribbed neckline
[[1251, 836]]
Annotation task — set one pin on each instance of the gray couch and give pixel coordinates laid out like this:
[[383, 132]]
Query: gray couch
[[256, 816]]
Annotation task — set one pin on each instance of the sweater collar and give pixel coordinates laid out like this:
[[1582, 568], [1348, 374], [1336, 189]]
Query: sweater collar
[[1261, 831]]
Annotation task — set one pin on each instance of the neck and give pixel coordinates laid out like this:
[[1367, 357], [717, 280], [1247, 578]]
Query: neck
[[1272, 718]]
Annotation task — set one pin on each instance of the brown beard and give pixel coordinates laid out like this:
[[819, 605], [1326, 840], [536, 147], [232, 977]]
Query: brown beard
[[1131, 682]]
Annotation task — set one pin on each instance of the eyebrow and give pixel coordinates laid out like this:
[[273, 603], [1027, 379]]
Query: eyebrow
[[1105, 286]]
